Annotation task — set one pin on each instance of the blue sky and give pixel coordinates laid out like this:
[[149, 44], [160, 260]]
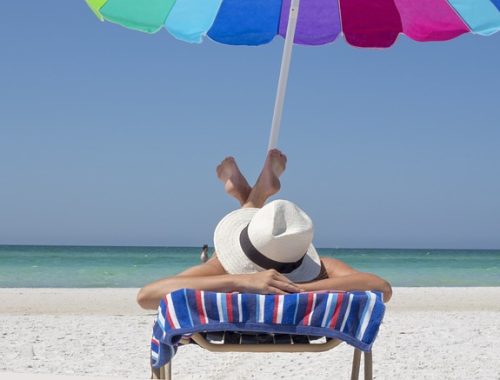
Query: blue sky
[[109, 136]]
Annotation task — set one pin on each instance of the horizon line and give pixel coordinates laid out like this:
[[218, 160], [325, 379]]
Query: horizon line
[[191, 246]]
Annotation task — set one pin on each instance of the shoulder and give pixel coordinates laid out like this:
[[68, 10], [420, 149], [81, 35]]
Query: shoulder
[[336, 267]]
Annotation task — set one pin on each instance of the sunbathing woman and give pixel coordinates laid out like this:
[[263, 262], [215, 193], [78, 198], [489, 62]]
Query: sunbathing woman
[[263, 248]]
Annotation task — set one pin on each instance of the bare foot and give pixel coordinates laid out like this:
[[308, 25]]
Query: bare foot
[[268, 183], [234, 183]]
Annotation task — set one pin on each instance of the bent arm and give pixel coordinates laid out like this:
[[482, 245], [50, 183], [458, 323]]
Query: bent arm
[[355, 281], [343, 277], [212, 277], [208, 276], [149, 297]]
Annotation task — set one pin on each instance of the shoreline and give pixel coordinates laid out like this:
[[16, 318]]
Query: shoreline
[[121, 301], [431, 333]]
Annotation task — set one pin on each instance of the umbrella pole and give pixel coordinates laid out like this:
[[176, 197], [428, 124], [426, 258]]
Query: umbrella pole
[[285, 67]]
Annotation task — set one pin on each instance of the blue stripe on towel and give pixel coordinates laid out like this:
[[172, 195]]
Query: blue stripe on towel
[[269, 310], [302, 307], [366, 313], [289, 309], [181, 309], [211, 306], [331, 309], [319, 309], [357, 307], [186, 300], [343, 309], [251, 307], [191, 299], [376, 319]]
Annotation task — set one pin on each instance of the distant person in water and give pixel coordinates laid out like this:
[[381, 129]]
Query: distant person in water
[[263, 248], [204, 254]]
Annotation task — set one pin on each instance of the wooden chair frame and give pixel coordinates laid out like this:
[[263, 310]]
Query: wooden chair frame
[[165, 372]]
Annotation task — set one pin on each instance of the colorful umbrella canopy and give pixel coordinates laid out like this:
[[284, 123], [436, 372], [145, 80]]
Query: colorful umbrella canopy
[[364, 23]]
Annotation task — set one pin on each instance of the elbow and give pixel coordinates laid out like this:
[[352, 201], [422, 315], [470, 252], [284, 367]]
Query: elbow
[[146, 300], [387, 291], [149, 296]]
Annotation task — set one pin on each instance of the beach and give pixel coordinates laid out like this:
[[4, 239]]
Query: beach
[[431, 333]]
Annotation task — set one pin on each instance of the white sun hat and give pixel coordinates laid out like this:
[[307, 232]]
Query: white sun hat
[[276, 236]]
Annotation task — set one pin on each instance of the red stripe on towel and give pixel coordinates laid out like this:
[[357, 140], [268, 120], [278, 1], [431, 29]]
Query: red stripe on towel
[[275, 309], [229, 305], [337, 310], [199, 306], [307, 315]]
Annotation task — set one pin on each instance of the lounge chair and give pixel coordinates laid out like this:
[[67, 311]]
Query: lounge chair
[[235, 322]]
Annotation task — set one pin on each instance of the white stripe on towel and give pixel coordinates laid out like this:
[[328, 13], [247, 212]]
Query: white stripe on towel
[[347, 312], [240, 309], [219, 307], [171, 310], [312, 310], [279, 318], [161, 318], [327, 309], [262, 299], [367, 316]]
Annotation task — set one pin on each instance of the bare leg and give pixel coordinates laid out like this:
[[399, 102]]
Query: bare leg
[[236, 185], [268, 182], [234, 182]]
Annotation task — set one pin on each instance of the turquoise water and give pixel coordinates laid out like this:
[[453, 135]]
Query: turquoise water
[[64, 266]]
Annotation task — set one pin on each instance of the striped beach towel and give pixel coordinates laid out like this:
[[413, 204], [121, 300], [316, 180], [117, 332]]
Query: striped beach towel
[[353, 317]]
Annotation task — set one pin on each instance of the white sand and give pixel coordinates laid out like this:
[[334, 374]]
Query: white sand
[[428, 333]]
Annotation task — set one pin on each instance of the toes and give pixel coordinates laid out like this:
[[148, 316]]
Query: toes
[[276, 153], [224, 162]]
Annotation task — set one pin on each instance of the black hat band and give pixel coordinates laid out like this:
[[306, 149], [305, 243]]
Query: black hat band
[[265, 262]]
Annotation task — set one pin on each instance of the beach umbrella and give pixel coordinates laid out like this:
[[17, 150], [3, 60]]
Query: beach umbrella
[[363, 23]]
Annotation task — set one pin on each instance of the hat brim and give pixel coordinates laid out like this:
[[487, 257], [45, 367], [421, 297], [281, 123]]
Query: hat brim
[[233, 258]]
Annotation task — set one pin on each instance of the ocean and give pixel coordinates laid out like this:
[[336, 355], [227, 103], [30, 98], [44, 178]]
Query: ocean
[[91, 267]]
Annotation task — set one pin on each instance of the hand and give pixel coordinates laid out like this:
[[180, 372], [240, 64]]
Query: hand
[[267, 282]]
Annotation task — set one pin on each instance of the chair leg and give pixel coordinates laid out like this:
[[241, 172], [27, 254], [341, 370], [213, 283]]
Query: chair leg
[[162, 373], [368, 366], [355, 364], [168, 371], [156, 373]]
